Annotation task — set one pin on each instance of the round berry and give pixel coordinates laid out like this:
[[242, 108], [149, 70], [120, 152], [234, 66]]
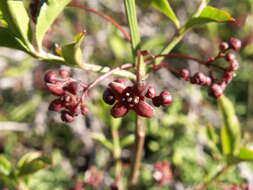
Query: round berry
[[56, 105], [223, 46], [234, 65], [215, 90], [67, 117], [235, 43], [230, 57], [165, 98], [150, 92], [199, 78], [51, 77], [157, 101], [108, 97], [184, 74]]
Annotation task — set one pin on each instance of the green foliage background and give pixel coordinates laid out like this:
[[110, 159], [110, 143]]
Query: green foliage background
[[176, 134]]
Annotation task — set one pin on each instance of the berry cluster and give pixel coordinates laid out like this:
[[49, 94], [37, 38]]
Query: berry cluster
[[216, 86], [127, 98], [162, 173], [70, 93]]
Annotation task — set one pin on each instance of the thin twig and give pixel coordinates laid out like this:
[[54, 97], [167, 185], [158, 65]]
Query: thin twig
[[107, 74], [104, 16]]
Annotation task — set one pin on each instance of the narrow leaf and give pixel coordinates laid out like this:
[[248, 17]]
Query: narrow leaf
[[101, 139], [164, 7], [230, 132], [72, 53], [127, 141], [10, 41], [209, 14], [245, 154], [14, 13], [33, 166], [5, 165], [49, 11]]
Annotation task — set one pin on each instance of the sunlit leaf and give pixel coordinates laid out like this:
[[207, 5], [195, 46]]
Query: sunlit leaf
[[5, 165], [49, 11], [127, 141], [164, 7], [15, 14], [31, 163], [245, 154], [209, 14], [230, 132], [72, 52]]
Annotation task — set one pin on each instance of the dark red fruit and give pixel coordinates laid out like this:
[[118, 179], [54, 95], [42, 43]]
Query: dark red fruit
[[118, 110], [230, 57], [199, 78], [55, 89], [223, 46], [67, 117], [51, 77], [72, 87], [150, 92], [56, 105], [108, 97], [157, 101], [216, 90], [235, 43], [184, 74], [165, 98]]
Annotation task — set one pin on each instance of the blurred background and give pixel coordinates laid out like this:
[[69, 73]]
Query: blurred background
[[176, 134]]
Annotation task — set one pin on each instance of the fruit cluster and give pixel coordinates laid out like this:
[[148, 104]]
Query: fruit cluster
[[70, 93], [216, 86], [125, 98]]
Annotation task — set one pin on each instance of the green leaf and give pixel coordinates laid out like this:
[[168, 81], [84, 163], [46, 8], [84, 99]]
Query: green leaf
[[127, 141], [10, 41], [31, 163], [49, 11], [245, 154], [5, 166], [101, 139], [230, 132], [72, 53], [209, 14], [14, 13], [164, 7]]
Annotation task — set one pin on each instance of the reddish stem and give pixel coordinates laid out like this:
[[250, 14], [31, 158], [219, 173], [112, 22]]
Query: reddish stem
[[104, 16]]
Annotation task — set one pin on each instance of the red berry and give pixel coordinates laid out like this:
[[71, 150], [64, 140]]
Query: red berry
[[216, 90], [108, 97], [235, 43], [67, 117], [119, 110], [55, 89], [56, 105], [223, 46], [50, 77], [230, 57], [150, 92], [72, 87], [199, 78], [234, 65], [157, 101], [165, 98], [184, 74]]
